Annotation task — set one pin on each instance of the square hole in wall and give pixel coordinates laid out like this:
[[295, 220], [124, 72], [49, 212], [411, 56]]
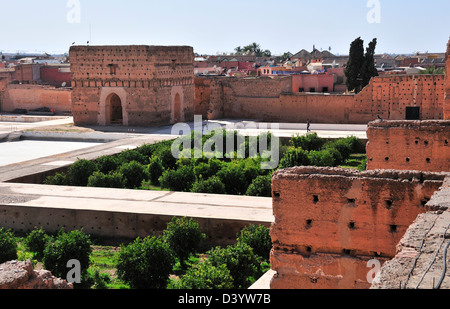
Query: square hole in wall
[[388, 203], [315, 199]]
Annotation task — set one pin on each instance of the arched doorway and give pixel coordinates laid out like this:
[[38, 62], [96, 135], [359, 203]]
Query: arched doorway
[[115, 109], [177, 109]]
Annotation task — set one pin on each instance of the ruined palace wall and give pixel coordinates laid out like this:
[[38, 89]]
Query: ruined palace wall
[[329, 222], [271, 99], [155, 84], [31, 97], [409, 145], [447, 84]]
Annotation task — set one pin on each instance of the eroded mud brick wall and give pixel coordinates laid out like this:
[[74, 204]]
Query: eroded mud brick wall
[[330, 222], [132, 85], [409, 145], [30, 97], [273, 99], [447, 84]]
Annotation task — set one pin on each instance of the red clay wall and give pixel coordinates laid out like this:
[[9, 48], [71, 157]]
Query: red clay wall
[[271, 99], [31, 97], [409, 145], [146, 78], [330, 222], [447, 84]]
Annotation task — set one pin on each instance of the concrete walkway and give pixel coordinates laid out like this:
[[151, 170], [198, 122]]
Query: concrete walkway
[[165, 203]]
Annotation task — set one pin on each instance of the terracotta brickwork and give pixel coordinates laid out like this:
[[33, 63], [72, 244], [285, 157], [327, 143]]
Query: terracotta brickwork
[[447, 84], [30, 97], [330, 222], [272, 99], [132, 85], [409, 145]]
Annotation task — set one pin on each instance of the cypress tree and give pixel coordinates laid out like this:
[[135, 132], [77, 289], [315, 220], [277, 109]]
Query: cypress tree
[[360, 67], [354, 65], [368, 69]]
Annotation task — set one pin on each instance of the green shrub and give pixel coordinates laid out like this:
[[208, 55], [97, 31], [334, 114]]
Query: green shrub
[[251, 168], [134, 174], [97, 280], [356, 144], [294, 157], [240, 260], [148, 150], [167, 158], [183, 237], [8, 246], [145, 263], [59, 179], [322, 158], [129, 155], [258, 237], [80, 172], [261, 186], [36, 241], [180, 179], [211, 185], [155, 170], [100, 180], [363, 166], [234, 179], [75, 245], [308, 142], [208, 169], [337, 157], [341, 145], [204, 276], [107, 164]]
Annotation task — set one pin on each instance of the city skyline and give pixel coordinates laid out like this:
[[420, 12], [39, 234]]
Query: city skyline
[[400, 27]]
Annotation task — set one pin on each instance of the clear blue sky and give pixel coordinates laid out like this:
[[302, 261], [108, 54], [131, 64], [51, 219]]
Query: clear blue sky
[[211, 26]]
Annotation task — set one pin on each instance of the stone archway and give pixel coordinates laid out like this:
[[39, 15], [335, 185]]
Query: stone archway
[[177, 112], [114, 105], [176, 109]]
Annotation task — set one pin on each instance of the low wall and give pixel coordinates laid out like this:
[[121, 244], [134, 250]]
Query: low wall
[[330, 222], [113, 226], [272, 99], [409, 145], [32, 97]]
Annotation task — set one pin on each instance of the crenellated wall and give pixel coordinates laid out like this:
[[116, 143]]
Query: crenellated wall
[[150, 85], [330, 222], [272, 99], [409, 145]]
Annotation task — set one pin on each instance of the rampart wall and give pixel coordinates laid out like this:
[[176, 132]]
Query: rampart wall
[[409, 145], [330, 222], [30, 97], [273, 99], [151, 85]]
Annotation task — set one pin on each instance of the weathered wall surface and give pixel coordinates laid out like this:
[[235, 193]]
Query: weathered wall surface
[[447, 84], [113, 225], [31, 97], [155, 84], [419, 262], [330, 222], [409, 145], [272, 99]]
